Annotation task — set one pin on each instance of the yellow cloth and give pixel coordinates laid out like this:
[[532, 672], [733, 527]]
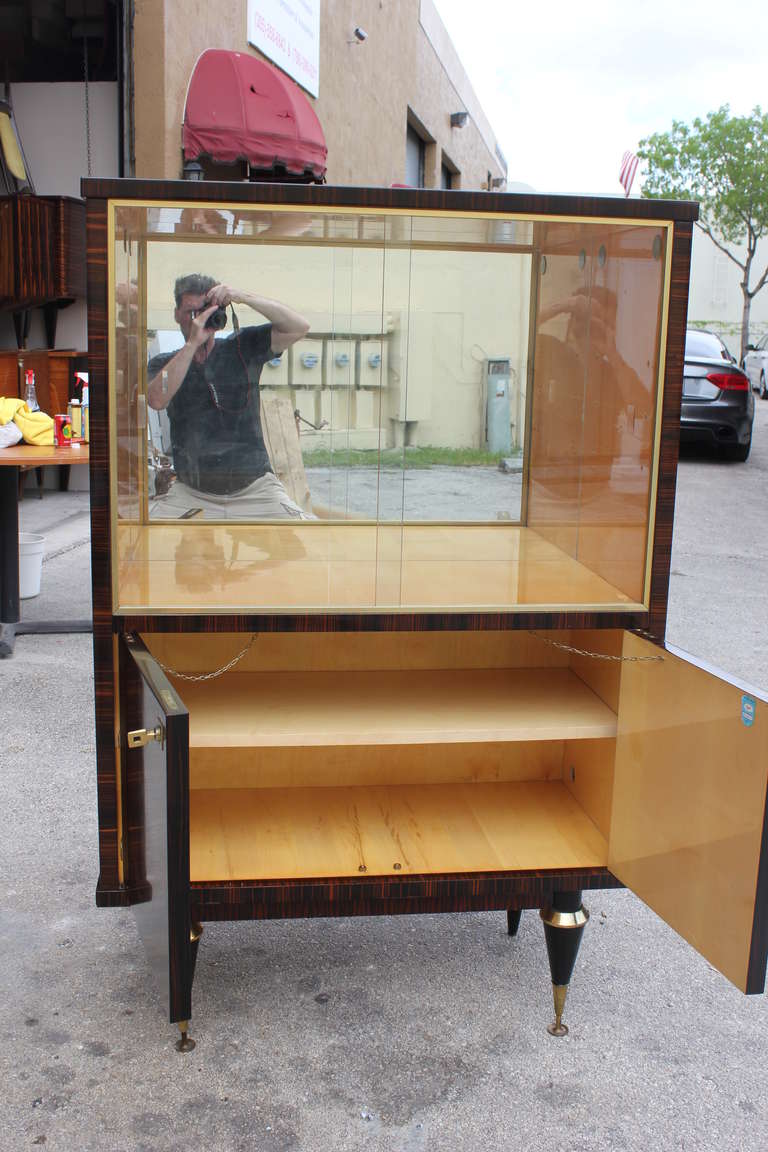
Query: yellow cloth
[[8, 406], [36, 427]]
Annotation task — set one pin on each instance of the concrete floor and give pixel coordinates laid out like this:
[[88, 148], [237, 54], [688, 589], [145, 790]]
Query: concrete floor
[[390, 1035]]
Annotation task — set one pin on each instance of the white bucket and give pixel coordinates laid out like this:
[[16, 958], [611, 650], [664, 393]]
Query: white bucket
[[31, 549]]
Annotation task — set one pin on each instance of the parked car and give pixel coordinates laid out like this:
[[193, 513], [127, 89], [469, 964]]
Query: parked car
[[718, 406], [756, 366]]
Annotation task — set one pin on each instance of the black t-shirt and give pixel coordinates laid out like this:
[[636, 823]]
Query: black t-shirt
[[216, 436]]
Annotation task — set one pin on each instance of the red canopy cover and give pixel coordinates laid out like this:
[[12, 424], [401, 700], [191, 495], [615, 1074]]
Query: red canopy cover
[[239, 107]]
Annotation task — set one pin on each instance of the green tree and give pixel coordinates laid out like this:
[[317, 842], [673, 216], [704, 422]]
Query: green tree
[[723, 163]]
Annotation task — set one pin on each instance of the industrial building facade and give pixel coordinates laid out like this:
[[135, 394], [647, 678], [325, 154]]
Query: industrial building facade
[[100, 89]]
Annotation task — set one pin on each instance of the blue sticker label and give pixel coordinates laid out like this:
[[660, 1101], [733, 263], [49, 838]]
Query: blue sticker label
[[747, 711]]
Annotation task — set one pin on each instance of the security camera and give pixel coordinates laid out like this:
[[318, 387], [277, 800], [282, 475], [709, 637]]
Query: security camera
[[360, 34]]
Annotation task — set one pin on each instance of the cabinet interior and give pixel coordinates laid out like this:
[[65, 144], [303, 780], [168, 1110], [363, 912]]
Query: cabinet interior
[[334, 754]]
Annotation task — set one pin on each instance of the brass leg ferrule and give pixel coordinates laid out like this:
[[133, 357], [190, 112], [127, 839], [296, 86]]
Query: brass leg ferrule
[[554, 919], [184, 1043], [559, 993]]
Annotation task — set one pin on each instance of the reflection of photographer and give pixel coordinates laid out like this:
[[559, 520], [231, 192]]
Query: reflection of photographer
[[604, 407], [210, 388]]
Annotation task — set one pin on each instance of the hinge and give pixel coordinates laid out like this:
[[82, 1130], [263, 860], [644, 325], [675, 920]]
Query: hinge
[[142, 736]]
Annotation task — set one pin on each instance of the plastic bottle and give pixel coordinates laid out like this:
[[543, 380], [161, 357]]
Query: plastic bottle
[[75, 419], [84, 405], [31, 395]]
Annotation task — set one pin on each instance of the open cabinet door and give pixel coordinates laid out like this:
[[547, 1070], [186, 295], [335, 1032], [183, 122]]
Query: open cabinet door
[[155, 727], [688, 827]]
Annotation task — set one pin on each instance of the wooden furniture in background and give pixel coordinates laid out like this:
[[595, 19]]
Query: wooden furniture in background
[[42, 258]]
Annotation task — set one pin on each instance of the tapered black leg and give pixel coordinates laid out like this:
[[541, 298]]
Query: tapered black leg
[[50, 316], [195, 933], [9, 558], [185, 1043], [564, 921], [21, 326], [513, 920]]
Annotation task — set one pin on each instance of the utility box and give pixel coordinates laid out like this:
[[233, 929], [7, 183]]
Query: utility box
[[498, 411], [306, 365], [340, 364], [275, 374]]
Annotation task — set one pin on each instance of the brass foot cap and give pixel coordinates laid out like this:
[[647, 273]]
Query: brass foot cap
[[556, 1029], [185, 1044]]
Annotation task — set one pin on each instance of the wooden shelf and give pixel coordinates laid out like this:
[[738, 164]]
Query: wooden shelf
[[316, 709], [316, 566], [289, 833]]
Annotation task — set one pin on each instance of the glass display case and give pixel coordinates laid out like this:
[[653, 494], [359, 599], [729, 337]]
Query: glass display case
[[382, 490], [470, 418]]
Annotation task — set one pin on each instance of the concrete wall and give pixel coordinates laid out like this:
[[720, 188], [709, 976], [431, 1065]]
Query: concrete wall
[[443, 312], [406, 66], [51, 122]]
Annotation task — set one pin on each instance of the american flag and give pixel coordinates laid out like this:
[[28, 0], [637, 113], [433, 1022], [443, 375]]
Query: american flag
[[627, 171]]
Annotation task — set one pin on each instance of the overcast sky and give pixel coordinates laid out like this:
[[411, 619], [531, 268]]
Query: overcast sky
[[569, 87]]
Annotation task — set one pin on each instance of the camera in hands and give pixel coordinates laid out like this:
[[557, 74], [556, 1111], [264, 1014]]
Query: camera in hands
[[217, 320]]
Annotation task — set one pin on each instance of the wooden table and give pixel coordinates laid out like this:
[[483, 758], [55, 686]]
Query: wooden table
[[11, 459]]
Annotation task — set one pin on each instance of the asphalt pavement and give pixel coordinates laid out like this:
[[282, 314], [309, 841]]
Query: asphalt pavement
[[386, 1034]]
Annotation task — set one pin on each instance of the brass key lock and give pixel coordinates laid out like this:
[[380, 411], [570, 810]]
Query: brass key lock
[[142, 736]]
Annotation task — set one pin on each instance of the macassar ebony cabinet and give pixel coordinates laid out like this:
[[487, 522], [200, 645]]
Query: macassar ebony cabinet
[[435, 678]]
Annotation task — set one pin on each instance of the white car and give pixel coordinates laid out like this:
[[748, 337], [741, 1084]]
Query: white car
[[756, 366]]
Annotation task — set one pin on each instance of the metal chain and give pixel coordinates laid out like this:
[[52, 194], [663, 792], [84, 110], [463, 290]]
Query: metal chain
[[598, 655], [87, 103], [317, 427], [209, 675], [544, 639]]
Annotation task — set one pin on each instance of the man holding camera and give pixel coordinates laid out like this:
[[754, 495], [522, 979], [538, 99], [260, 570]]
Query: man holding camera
[[210, 388]]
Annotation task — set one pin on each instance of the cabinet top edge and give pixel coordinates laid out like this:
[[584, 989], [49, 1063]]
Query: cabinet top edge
[[518, 203]]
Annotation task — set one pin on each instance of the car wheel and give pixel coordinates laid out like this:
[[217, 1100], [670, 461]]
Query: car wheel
[[763, 387]]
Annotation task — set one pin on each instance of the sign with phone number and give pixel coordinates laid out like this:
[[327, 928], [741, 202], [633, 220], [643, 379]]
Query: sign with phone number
[[288, 33]]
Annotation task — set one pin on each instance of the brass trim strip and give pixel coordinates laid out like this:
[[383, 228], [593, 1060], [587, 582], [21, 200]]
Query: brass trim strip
[[111, 398], [376, 609], [142, 342], [660, 384]]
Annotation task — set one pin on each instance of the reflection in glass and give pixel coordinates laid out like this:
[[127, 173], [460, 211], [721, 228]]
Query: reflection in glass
[[391, 369], [383, 361]]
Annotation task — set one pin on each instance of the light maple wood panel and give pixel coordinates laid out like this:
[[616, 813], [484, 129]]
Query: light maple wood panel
[[689, 800], [297, 709], [312, 832], [588, 767], [316, 567], [356, 765], [602, 675]]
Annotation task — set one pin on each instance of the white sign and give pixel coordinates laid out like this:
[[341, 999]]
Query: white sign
[[288, 32]]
